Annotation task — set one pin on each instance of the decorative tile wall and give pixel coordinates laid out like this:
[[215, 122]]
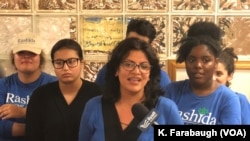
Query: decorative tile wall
[[99, 24]]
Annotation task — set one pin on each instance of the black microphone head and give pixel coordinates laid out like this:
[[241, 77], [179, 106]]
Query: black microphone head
[[139, 111]]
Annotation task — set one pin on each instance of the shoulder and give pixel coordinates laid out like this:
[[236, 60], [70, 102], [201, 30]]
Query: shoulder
[[46, 90], [177, 86], [4, 80], [164, 73], [225, 91], [87, 82], [164, 77], [8, 80], [93, 108], [100, 78], [226, 95], [167, 106], [91, 87], [101, 73], [241, 96], [179, 83], [95, 101], [102, 70], [90, 84], [165, 102], [47, 87], [48, 76]]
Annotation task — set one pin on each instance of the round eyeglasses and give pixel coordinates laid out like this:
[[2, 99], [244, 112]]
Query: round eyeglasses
[[71, 63], [129, 66]]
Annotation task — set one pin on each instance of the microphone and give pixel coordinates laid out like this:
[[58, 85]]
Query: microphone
[[146, 117]]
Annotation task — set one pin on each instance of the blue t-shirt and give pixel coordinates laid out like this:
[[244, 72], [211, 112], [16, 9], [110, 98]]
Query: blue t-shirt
[[13, 91], [245, 108], [220, 107], [100, 78], [92, 126]]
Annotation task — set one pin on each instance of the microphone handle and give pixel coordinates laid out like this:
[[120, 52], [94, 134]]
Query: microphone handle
[[155, 123]]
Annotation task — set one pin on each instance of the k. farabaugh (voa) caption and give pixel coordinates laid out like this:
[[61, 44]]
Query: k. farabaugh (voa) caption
[[163, 132]]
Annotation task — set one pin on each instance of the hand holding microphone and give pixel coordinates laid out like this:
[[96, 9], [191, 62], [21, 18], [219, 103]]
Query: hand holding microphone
[[146, 117]]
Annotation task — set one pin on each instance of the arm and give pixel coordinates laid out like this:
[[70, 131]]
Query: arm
[[85, 128], [5, 125], [174, 116], [245, 109], [18, 129], [8, 111], [171, 112]]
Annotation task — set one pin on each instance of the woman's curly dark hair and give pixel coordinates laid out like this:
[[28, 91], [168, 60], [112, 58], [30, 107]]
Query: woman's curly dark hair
[[187, 44], [205, 28], [152, 89], [200, 33]]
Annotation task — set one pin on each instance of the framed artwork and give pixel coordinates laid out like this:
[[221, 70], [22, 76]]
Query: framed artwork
[[236, 34], [15, 5], [53, 28], [174, 68], [180, 24], [56, 5], [102, 5], [161, 25], [11, 26], [91, 68], [193, 5], [100, 34], [146, 5], [234, 5]]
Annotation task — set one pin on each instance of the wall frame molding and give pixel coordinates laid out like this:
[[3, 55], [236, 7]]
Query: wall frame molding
[[172, 68]]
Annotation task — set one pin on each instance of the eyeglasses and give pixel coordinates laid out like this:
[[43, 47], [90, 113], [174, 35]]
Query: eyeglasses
[[71, 62], [143, 67]]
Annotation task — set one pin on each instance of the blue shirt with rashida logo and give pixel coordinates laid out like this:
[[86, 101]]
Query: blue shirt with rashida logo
[[13, 91], [220, 107]]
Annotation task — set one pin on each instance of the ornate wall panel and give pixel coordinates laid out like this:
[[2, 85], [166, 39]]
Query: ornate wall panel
[[99, 24], [11, 26], [100, 33], [180, 24]]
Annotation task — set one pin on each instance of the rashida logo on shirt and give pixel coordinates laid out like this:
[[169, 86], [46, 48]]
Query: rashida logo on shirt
[[201, 116], [16, 99]]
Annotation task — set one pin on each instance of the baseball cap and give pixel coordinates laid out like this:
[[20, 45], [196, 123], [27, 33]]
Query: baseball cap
[[27, 42]]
